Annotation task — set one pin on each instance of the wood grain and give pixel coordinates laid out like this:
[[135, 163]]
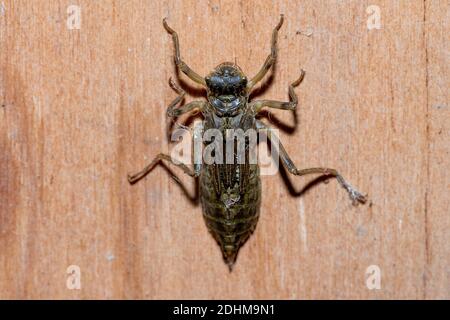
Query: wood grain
[[82, 108]]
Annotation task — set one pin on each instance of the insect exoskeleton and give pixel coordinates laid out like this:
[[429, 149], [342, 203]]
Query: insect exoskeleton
[[230, 191]]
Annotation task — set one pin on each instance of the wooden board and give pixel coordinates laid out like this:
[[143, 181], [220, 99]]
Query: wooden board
[[81, 108]]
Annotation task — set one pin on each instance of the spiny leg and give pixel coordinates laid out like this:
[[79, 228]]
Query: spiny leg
[[270, 60], [173, 111], [191, 172], [180, 63], [354, 194], [291, 105]]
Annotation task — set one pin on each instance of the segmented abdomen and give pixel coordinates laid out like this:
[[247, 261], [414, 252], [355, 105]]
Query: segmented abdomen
[[230, 196]]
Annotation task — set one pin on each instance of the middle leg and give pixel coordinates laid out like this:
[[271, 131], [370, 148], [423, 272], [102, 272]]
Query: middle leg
[[173, 111], [291, 105]]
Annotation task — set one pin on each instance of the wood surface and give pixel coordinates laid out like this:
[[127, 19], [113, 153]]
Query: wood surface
[[82, 108]]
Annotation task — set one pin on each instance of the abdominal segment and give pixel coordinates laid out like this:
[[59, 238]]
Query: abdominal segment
[[230, 206]]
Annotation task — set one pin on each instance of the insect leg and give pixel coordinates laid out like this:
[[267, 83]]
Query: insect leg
[[291, 105], [138, 176], [180, 63], [270, 60], [173, 111], [354, 194]]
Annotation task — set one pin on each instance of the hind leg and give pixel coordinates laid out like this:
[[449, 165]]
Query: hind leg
[[139, 175], [354, 194]]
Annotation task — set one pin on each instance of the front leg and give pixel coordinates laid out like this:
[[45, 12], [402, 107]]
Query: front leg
[[270, 60], [354, 194], [180, 63], [291, 105]]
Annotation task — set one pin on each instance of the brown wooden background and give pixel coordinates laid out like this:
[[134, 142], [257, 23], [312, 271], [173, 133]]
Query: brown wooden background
[[82, 108]]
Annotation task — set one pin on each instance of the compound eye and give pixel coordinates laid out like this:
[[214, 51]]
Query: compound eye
[[208, 81]]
